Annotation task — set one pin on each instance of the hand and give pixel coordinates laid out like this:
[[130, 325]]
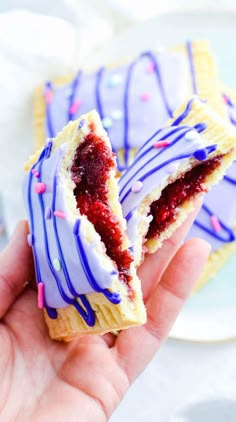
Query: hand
[[85, 380]]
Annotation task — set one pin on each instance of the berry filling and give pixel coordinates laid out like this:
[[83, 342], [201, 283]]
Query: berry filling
[[165, 209], [90, 171]]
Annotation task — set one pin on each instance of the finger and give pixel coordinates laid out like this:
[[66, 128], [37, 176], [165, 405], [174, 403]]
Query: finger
[[155, 264], [16, 267], [135, 347]]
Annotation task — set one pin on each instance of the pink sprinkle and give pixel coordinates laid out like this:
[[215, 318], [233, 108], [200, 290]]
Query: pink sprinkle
[[161, 144], [137, 186], [40, 295], [145, 96], [75, 107], [59, 214], [150, 67], [225, 98], [48, 96], [35, 173], [40, 187], [215, 223]]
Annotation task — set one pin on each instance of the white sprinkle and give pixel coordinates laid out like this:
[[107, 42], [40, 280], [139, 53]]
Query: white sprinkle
[[137, 187], [172, 168], [192, 136], [116, 114], [107, 122], [57, 264]]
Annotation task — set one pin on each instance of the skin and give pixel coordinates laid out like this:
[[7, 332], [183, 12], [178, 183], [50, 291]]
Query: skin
[[84, 380]]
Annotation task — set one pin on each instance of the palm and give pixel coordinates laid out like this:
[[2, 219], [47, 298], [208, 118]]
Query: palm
[[85, 379]]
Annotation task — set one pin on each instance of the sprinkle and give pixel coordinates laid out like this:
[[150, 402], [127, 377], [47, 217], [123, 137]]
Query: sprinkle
[[172, 167], [137, 186], [40, 187], [48, 213], [227, 100], [81, 123], [192, 136], [40, 295], [107, 122], [114, 80], [114, 272], [75, 107], [116, 114], [57, 264], [59, 214], [145, 96], [30, 239], [161, 144], [215, 223], [35, 173], [52, 313], [150, 67], [48, 96], [200, 154]]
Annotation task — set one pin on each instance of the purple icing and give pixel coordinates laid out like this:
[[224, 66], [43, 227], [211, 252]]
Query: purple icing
[[220, 202], [151, 166], [79, 259], [139, 119]]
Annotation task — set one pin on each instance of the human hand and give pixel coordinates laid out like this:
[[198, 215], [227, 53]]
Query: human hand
[[86, 379]]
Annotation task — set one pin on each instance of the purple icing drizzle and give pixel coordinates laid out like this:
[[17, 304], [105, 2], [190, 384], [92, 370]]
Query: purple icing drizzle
[[191, 65], [113, 297], [74, 88], [86, 311], [129, 70], [99, 76], [89, 316], [183, 129]]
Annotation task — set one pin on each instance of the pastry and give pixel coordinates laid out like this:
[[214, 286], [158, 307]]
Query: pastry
[[175, 165], [86, 278], [216, 221], [133, 99]]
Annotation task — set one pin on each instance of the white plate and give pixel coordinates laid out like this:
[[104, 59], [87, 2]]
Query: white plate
[[209, 315]]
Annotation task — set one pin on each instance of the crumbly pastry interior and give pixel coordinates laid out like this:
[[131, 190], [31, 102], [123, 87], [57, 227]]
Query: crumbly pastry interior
[[89, 190]]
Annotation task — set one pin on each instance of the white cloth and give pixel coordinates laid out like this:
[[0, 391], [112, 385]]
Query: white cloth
[[184, 382]]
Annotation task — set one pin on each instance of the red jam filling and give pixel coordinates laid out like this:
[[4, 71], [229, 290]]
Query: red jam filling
[[90, 171], [164, 209]]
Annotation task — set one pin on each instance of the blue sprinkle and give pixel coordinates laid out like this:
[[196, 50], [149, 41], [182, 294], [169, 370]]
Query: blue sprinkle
[[114, 272], [200, 154], [81, 124], [211, 148]]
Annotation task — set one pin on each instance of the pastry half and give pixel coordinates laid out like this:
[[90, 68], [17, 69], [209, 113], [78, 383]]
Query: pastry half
[[216, 221], [84, 268], [133, 98], [178, 163]]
